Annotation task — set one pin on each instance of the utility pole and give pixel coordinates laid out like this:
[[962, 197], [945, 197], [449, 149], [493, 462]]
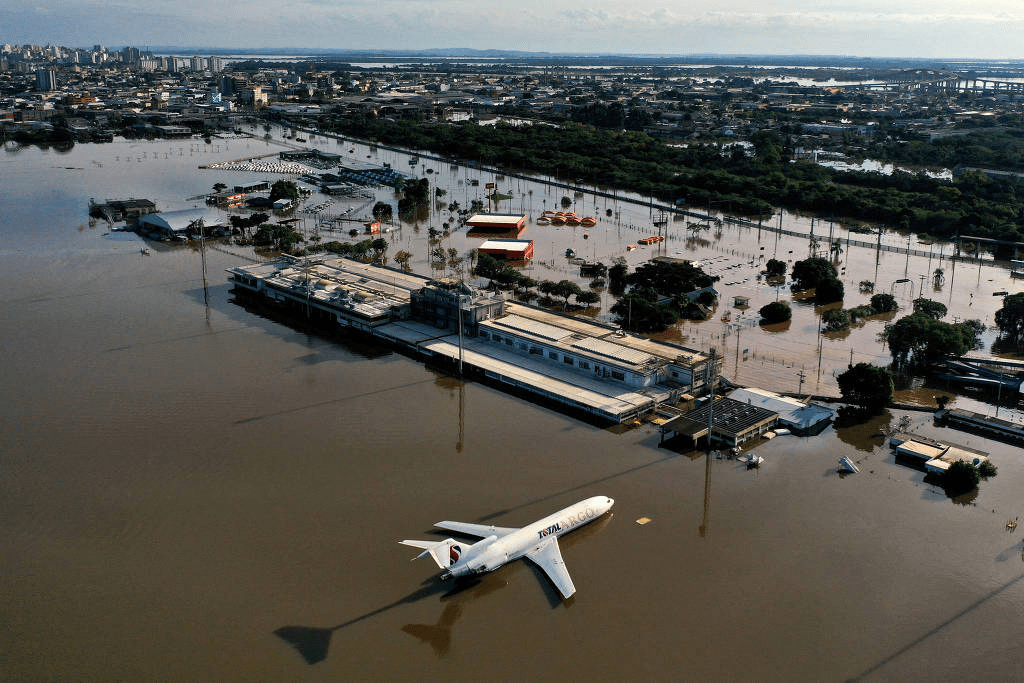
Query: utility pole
[[711, 397]]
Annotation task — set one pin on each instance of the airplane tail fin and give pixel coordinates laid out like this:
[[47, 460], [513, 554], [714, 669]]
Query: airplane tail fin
[[445, 553]]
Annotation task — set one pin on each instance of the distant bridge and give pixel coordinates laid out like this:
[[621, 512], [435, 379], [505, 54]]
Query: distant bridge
[[938, 80]]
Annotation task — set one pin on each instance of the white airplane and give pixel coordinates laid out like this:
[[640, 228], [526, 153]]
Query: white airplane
[[537, 542]]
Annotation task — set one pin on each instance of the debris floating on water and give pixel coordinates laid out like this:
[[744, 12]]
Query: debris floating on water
[[643, 520], [846, 465]]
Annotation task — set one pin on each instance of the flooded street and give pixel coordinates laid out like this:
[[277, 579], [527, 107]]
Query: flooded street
[[194, 491]]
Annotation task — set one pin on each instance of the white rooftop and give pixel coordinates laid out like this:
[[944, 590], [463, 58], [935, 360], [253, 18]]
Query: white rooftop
[[792, 412]]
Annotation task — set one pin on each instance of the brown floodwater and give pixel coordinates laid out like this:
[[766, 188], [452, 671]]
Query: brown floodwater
[[193, 491]]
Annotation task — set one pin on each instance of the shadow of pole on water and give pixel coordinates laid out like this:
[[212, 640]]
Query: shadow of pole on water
[[917, 641]]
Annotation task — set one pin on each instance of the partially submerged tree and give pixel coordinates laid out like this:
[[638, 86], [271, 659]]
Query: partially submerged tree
[[775, 268], [383, 212], [775, 312], [808, 273], [639, 311], [960, 478], [284, 189], [1010, 318], [933, 309], [588, 298], [829, 291], [402, 258], [918, 339], [883, 303], [670, 278], [867, 386], [835, 319]]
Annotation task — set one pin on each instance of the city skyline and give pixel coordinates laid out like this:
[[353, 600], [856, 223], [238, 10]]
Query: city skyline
[[942, 29]]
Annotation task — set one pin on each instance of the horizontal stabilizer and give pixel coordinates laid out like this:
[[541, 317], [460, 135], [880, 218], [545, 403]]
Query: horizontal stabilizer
[[445, 553]]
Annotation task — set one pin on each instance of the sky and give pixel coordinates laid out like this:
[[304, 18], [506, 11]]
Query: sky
[[982, 29]]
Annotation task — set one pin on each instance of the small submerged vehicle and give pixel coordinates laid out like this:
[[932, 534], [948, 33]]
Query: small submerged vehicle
[[752, 460]]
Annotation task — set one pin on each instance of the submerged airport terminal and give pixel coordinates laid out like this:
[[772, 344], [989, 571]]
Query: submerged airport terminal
[[582, 365], [587, 368]]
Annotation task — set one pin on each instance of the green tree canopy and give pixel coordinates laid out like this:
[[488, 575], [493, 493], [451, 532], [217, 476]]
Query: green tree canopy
[[809, 272], [284, 189], [402, 258], [829, 290], [775, 268], [669, 278], [382, 211], [617, 278], [637, 313], [883, 303], [415, 193], [775, 312], [566, 289], [867, 386], [835, 319], [960, 478], [933, 309], [1010, 318], [919, 339]]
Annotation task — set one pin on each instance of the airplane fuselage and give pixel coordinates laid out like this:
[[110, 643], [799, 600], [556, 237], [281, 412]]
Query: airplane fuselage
[[492, 552]]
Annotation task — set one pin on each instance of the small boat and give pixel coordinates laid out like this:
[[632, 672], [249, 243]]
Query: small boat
[[846, 465], [569, 220], [588, 222], [557, 220], [630, 247], [543, 220], [569, 253]]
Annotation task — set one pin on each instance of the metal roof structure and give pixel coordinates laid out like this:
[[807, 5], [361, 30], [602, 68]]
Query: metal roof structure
[[179, 221], [663, 351], [793, 413], [534, 327], [612, 350], [731, 420], [493, 219]]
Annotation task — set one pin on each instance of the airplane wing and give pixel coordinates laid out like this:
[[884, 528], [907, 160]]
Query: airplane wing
[[548, 557], [481, 530]]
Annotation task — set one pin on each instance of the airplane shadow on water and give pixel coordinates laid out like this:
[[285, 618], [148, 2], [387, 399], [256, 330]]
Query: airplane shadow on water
[[313, 643]]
